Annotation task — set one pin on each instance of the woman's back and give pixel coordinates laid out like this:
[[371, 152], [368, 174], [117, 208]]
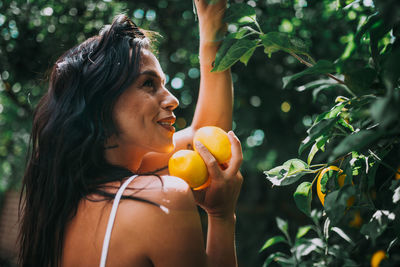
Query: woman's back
[[143, 234]]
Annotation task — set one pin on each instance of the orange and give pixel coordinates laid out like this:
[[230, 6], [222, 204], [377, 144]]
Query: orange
[[217, 142], [341, 180], [188, 165], [377, 258], [357, 220], [397, 176]]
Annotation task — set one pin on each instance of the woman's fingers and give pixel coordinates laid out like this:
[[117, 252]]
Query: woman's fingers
[[237, 155], [214, 168], [209, 159]]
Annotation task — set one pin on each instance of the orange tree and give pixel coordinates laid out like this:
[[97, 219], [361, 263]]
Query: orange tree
[[356, 142]]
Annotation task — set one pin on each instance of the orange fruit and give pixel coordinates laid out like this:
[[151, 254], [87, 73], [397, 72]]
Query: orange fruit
[[357, 220], [397, 176], [377, 258], [341, 180], [217, 142], [188, 165]]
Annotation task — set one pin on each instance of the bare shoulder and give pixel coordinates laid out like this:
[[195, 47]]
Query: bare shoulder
[[165, 190], [160, 229], [165, 198]]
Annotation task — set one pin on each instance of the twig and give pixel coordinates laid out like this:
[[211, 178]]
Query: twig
[[308, 64]]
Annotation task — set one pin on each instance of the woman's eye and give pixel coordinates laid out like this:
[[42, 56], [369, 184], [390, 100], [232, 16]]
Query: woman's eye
[[148, 83]]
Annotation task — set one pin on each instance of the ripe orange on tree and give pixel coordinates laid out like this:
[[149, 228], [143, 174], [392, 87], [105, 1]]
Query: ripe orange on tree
[[397, 176], [340, 180], [377, 258]]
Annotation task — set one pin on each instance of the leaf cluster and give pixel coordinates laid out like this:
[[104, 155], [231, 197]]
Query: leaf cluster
[[360, 134]]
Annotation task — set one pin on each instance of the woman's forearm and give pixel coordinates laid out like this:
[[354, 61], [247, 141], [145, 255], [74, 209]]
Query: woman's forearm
[[215, 101], [221, 250]]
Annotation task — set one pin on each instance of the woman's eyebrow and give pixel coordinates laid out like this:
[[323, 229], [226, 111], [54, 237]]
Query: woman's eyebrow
[[154, 74]]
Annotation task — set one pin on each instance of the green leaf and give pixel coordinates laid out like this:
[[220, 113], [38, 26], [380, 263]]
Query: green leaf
[[242, 32], [336, 202], [342, 234], [282, 225], [345, 124], [332, 113], [229, 56], [313, 151], [272, 241], [275, 257], [315, 84], [290, 172], [377, 225], [321, 67], [391, 69], [303, 197], [344, 3], [302, 231], [333, 208], [325, 87], [321, 128], [245, 58], [276, 41], [360, 80], [240, 14], [312, 245], [371, 20], [355, 142], [385, 111]]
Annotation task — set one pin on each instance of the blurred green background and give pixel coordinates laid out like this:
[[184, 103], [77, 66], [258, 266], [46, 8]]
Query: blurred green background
[[270, 121]]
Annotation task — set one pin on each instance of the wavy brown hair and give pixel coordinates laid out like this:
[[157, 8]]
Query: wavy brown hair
[[71, 123]]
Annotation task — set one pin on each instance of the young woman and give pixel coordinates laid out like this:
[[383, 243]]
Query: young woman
[[103, 131]]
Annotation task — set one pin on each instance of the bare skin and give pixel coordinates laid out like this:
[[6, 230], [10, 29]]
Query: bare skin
[[143, 234]]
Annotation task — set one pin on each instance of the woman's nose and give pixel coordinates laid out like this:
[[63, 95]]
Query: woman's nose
[[169, 102]]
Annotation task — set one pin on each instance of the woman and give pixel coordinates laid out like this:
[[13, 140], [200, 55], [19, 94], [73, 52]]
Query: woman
[[106, 123]]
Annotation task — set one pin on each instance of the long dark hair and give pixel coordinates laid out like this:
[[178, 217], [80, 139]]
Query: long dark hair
[[71, 123]]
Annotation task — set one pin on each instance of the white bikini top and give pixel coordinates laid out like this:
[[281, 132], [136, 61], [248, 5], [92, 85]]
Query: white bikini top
[[110, 224]]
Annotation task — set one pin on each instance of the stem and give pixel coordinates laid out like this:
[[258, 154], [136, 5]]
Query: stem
[[308, 64], [250, 33], [258, 26], [316, 165], [315, 178], [253, 30]]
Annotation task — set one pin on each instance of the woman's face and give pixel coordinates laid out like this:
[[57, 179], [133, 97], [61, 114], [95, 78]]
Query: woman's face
[[144, 112]]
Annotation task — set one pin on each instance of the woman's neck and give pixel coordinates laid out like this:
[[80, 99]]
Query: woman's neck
[[124, 156]]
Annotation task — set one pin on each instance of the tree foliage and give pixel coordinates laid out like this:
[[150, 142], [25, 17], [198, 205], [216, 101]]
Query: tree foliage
[[360, 134]]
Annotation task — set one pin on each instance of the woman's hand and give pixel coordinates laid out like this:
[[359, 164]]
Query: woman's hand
[[220, 197], [211, 13]]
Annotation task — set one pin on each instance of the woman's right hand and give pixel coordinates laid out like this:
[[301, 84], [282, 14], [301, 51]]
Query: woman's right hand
[[220, 197]]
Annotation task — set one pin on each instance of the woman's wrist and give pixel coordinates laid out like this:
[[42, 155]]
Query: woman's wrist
[[223, 218]]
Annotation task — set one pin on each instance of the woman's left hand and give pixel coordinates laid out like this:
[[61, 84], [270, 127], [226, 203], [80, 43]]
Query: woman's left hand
[[211, 13]]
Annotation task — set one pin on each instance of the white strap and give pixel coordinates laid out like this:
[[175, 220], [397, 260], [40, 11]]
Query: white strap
[[110, 224]]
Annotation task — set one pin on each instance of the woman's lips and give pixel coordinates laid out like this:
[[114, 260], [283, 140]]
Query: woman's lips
[[168, 127]]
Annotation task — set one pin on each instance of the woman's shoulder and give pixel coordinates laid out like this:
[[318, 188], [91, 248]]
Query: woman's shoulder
[[167, 192], [158, 230]]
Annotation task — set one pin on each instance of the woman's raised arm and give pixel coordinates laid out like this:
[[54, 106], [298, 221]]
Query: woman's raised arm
[[215, 100]]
